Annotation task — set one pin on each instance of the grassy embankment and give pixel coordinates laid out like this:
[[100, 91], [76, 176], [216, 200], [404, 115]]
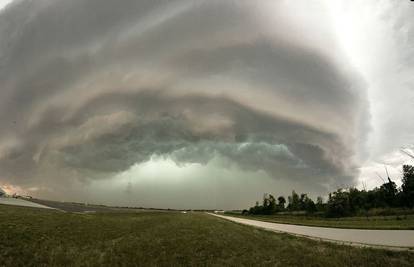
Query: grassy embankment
[[394, 222], [34, 237]]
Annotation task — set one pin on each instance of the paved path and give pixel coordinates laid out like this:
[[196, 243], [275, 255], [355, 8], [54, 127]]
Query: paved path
[[398, 239], [21, 202]]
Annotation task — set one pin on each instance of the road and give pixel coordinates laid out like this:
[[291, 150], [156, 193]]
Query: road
[[21, 202], [397, 239]]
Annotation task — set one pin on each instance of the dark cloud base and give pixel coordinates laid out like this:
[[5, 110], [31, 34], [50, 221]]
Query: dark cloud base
[[91, 88]]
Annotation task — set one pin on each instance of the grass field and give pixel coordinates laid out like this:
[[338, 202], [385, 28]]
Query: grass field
[[402, 222], [35, 237]]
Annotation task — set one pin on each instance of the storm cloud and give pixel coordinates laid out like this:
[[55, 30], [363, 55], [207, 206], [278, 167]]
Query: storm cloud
[[90, 89]]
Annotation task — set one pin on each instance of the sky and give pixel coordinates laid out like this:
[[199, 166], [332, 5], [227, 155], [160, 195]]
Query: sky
[[203, 104]]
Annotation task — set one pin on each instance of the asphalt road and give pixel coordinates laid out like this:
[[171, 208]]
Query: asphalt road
[[21, 202], [398, 239], [71, 206]]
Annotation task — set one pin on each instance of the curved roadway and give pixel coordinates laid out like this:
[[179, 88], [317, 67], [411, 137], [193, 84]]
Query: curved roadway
[[21, 202], [397, 239]]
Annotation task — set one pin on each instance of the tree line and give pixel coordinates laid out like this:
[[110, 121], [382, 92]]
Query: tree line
[[344, 202]]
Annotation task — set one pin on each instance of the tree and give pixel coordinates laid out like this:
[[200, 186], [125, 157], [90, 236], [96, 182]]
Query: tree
[[388, 193], [347, 202], [293, 201], [282, 202], [257, 209], [271, 205], [265, 201], [302, 201], [306, 204], [408, 185], [357, 200], [338, 204], [310, 206], [319, 204]]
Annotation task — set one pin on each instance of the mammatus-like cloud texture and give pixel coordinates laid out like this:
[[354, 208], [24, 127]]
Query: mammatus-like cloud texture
[[90, 88]]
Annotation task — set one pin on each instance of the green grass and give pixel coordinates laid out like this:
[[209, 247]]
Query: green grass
[[402, 222], [32, 237]]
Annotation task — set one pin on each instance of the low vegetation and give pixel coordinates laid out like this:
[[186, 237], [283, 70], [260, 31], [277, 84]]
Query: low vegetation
[[33, 237], [387, 199]]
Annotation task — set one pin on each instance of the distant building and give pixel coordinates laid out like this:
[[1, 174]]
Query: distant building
[[2, 193]]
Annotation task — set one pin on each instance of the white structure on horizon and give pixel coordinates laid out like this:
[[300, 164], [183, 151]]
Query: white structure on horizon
[[2, 193]]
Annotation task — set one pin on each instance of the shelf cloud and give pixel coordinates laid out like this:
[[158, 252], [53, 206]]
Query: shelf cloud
[[90, 89]]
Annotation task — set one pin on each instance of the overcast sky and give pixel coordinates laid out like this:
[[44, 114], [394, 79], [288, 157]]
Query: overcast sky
[[202, 104]]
